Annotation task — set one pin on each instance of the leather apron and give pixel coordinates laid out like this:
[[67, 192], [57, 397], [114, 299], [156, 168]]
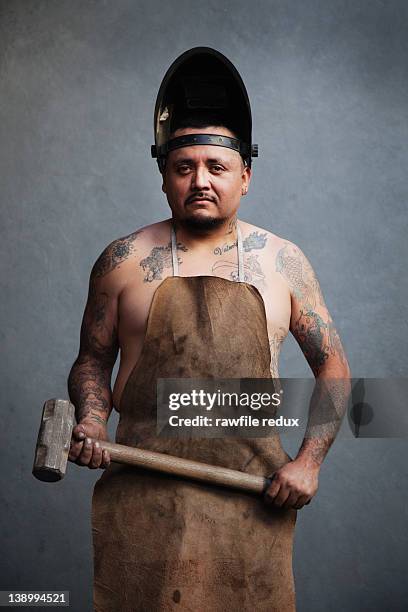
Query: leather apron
[[166, 544]]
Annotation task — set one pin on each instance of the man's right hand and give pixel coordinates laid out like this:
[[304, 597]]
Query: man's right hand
[[85, 448]]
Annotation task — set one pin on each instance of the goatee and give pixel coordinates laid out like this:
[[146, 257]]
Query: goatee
[[201, 223]]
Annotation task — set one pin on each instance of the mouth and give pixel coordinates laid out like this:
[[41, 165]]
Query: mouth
[[199, 200]]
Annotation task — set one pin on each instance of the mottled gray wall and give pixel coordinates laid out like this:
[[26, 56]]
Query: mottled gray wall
[[328, 85]]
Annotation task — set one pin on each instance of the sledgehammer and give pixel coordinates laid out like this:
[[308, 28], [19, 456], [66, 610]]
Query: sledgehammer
[[54, 437]]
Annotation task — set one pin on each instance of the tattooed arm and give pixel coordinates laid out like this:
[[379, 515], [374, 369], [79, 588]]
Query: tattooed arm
[[311, 324], [313, 328], [89, 381]]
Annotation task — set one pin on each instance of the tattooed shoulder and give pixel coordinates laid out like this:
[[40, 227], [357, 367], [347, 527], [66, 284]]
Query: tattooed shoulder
[[115, 254]]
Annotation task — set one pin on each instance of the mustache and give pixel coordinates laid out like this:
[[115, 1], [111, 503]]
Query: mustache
[[199, 196]]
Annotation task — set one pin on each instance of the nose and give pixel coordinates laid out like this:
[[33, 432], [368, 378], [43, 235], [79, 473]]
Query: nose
[[200, 179]]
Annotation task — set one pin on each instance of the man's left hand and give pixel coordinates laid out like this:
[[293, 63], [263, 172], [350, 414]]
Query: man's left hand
[[293, 485]]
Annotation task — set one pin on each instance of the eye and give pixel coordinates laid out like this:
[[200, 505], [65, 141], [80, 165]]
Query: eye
[[217, 168], [183, 169]]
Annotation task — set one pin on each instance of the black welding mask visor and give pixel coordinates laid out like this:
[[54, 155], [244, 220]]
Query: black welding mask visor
[[203, 83]]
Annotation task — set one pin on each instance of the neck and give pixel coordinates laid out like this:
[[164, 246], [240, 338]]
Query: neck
[[206, 236]]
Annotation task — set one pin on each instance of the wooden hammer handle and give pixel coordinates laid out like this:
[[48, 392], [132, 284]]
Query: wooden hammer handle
[[186, 468]]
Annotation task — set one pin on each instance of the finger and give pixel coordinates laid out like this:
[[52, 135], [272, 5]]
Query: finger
[[75, 450], [96, 458], [272, 491], [105, 459], [302, 501], [282, 496], [291, 500], [86, 454]]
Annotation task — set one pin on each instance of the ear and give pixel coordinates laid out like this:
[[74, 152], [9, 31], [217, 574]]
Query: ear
[[246, 178], [164, 188]]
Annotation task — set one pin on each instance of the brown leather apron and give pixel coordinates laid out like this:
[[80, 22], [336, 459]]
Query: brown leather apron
[[167, 544]]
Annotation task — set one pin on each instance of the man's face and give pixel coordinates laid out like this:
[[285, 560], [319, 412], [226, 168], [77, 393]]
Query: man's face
[[204, 183]]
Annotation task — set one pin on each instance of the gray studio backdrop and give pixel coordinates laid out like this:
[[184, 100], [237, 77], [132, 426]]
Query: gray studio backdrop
[[328, 86]]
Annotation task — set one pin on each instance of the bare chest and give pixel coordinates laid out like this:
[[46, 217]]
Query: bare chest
[[136, 299]]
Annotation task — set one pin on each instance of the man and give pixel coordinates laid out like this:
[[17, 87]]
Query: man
[[201, 294]]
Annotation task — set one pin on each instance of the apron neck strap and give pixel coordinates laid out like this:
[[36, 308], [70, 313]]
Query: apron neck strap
[[174, 257], [240, 249]]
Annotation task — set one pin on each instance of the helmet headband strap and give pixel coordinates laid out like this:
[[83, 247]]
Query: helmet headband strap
[[217, 140]]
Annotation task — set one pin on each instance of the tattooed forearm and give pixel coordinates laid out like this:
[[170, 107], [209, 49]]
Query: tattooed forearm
[[314, 450], [114, 255], [327, 408], [89, 390], [159, 258], [89, 382], [319, 340]]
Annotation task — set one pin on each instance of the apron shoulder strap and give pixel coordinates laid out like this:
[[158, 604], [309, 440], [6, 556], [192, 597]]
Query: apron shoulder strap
[[240, 248], [174, 257]]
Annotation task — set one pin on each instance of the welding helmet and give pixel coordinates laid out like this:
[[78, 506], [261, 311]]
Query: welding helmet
[[202, 82]]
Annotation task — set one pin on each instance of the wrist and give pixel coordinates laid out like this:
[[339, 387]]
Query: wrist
[[308, 460], [93, 419]]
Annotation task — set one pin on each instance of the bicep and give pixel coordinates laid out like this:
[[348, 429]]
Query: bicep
[[310, 323]]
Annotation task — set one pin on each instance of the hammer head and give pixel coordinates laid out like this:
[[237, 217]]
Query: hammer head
[[54, 437]]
